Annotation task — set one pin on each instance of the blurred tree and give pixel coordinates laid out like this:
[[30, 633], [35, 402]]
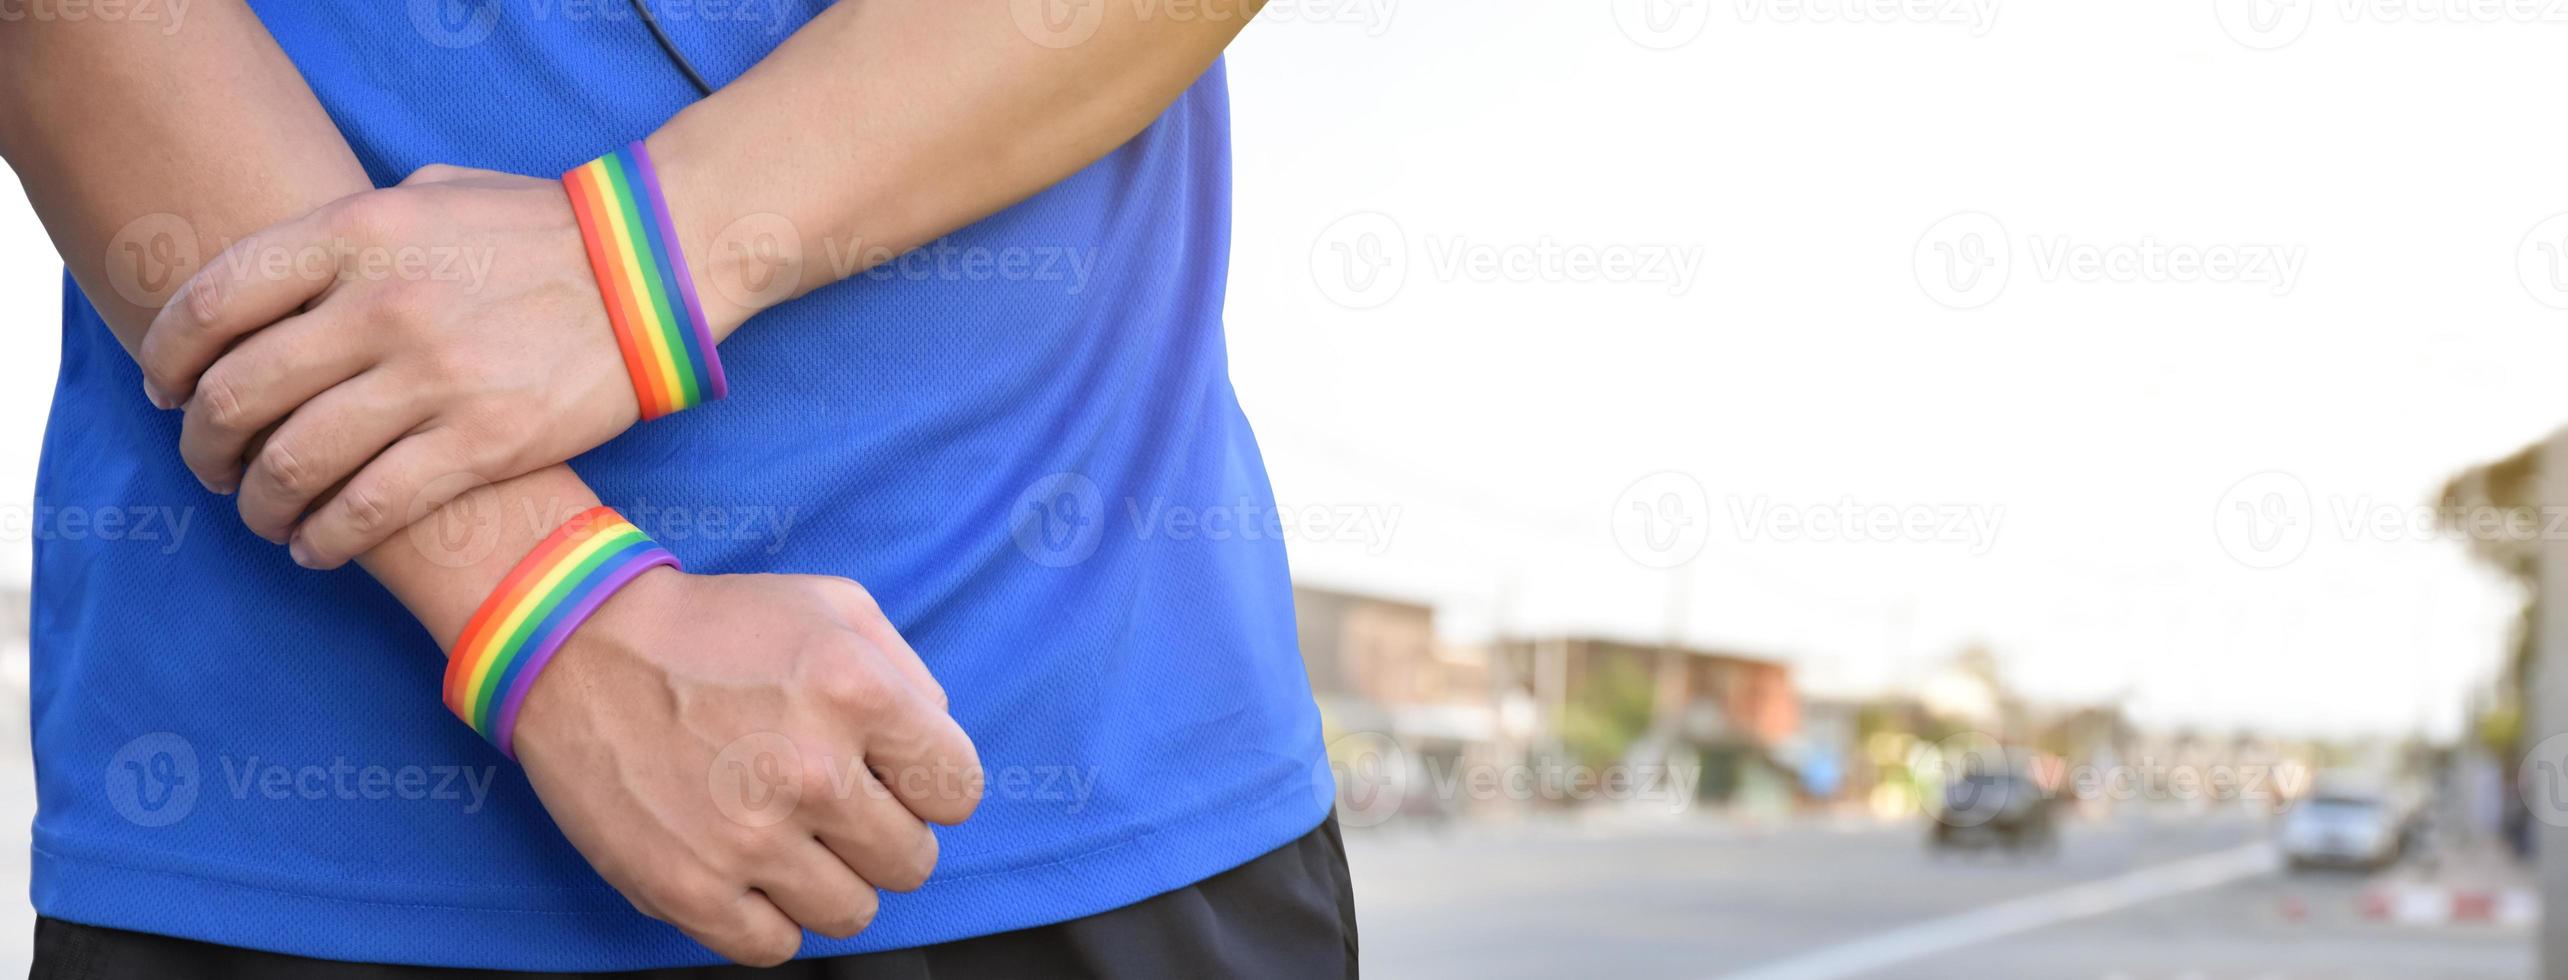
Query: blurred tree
[[2488, 506], [1610, 712]]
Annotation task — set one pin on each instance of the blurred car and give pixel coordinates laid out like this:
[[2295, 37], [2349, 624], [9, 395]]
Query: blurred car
[[1996, 809], [2345, 829]]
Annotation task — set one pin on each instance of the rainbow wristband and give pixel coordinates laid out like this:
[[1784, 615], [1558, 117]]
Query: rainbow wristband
[[650, 299], [549, 593]]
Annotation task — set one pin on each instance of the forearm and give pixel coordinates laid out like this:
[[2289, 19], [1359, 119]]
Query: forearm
[[106, 122], [879, 126]]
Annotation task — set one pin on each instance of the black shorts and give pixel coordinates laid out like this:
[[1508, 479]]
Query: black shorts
[[1288, 913]]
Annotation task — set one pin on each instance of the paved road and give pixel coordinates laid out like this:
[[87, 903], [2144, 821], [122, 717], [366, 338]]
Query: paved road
[[1699, 899], [2137, 897]]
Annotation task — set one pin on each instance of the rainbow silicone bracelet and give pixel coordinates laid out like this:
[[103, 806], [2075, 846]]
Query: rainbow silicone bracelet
[[550, 593], [650, 299]]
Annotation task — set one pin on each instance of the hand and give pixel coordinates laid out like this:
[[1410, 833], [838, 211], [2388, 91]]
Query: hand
[[391, 339], [744, 756]]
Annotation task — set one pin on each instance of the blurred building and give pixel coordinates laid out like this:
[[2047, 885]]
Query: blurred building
[[1379, 673], [1604, 701]]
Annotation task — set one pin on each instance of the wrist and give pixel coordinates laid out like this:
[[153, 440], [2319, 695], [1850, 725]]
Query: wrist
[[545, 600], [585, 670], [653, 305], [740, 263]]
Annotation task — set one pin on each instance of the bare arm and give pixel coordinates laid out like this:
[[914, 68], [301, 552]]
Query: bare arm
[[873, 129], [109, 121], [124, 128], [879, 126]]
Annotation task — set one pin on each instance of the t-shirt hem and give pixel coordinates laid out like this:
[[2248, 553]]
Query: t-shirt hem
[[503, 933]]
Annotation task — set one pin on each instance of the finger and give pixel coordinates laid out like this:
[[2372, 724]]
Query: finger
[[437, 173], [409, 481], [257, 281], [927, 762], [866, 617], [878, 837], [321, 445], [748, 930], [812, 886], [257, 384]]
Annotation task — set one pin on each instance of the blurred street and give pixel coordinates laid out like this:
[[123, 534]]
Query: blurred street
[[2144, 894]]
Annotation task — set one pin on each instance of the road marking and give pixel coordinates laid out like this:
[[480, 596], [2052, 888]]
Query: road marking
[[2021, 914]]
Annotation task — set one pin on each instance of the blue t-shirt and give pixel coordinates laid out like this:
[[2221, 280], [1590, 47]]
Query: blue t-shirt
[[1022, 438]]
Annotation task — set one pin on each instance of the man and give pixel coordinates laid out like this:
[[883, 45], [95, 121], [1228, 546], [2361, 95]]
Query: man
[[243, 769]]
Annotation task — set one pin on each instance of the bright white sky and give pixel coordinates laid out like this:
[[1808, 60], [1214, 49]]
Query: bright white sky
[[1799, 171]]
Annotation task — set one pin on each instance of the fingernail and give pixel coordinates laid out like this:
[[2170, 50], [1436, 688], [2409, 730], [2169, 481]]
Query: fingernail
[[302, 553], [224, 487], [159, 400]]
